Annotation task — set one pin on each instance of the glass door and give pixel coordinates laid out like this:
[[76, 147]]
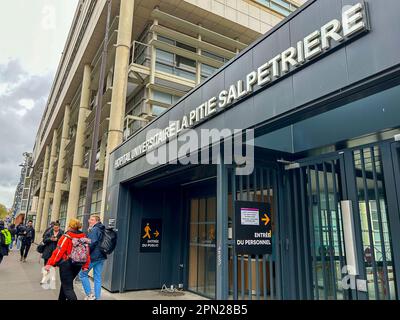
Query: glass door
[[202, 254], [373, 212], [317, 224]]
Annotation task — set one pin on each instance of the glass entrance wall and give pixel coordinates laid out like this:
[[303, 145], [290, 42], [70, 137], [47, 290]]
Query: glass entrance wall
[[373, 208], [202, 255], [328, 256], [254, 277]]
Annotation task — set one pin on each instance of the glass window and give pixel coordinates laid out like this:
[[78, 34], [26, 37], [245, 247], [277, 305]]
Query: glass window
[[158, 110], [207, 71], [185, 46], [213, 56], [281, 6], [165, 97], [185, 63], [166, 40], [202, 255], [164, 57], [162, 97]]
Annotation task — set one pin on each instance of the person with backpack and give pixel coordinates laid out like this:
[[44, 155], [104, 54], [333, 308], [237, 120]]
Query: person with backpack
[[13, 232], [50, 241], [5, 240], [28, 236], [97, 258], [71, 256]]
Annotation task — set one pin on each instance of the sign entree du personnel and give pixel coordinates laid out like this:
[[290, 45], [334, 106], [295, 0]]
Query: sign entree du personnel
[[253, 228]]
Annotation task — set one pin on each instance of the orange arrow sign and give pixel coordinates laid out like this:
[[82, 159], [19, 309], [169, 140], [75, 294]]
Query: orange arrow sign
[[265, 219], [156, 233]]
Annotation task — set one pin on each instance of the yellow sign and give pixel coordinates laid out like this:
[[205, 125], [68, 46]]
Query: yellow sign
[[266, 219], [156, 233], [147, 231]]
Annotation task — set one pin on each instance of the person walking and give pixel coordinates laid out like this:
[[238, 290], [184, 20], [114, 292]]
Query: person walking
[[13, 232], [5, 240], [49, 228], [50, 240], [97, 258], [28, 236], [21, 228], [62, 257]]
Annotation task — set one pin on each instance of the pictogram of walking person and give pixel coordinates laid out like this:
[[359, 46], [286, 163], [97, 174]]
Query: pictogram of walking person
[[147, 230]]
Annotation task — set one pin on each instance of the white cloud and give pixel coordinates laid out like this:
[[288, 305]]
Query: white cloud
[[27, 103], [27, 66]]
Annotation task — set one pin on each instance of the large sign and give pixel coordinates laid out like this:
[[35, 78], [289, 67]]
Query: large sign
[[253, 231], [354, 21], [150, 235]]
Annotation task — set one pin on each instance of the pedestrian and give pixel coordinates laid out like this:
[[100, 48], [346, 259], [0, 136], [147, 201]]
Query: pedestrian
[[5, 240], [21, 228], [63, 258], [97, 258], [28, 236], [13, 232], [50, 240], [48, 229]]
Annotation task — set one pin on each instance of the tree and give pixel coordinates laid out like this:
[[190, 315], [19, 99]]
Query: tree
[[3, 211]]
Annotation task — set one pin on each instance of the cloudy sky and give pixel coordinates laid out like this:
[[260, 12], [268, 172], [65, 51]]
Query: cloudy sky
[[33, 34]]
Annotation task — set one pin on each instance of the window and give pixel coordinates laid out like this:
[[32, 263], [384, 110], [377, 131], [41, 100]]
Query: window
[[157, 110], [166, 40], [175, 64], [165, 97], [213, 56], [281, 6], [185, 46], [207, 71], [63, 213], [96, 199]]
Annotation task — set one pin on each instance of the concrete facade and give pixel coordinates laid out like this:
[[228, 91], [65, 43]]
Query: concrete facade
[[152, 48]]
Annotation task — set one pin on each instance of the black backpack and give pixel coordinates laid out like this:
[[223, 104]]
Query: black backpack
[[2, 240], [108, 241]]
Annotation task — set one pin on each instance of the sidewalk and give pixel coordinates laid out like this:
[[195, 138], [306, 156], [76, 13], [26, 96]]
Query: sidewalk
[[22, 280]]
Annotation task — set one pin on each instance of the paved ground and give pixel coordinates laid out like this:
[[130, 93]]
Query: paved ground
[[22, 281]]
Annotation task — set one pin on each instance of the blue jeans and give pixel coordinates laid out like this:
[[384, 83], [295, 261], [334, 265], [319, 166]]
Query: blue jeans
[[97, 267]]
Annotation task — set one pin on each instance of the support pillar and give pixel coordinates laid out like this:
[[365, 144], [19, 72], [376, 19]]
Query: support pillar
[[60, 167], [49, 189], [222, 281], [75, 185], [118, 99], [198, 63], [42, 189]]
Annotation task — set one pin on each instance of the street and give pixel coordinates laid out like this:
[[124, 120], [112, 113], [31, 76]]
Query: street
[[22, 280]]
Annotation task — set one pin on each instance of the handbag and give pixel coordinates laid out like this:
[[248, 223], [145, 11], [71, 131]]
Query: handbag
[[48, 279], [40, 247]]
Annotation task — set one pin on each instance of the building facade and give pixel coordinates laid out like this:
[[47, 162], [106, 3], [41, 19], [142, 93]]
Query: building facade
[[157, 52], [21, 204], [319, 97]]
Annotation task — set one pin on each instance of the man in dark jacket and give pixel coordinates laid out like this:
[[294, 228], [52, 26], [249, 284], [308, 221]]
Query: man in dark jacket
[[97, 258], [28, 236], [50, 228], [50, 240], [21, 228]]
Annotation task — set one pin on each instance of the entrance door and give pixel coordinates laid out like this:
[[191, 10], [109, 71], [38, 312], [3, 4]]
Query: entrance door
[[367, 177], [202, 255]]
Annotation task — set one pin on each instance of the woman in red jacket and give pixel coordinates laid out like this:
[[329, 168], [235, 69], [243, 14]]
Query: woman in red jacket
[[61, 258]]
